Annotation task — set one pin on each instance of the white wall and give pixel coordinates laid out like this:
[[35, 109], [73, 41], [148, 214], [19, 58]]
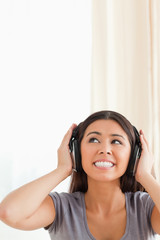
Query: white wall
[[45, 61]]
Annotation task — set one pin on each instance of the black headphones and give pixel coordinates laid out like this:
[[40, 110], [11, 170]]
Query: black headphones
[[74, 147], [135, 155]]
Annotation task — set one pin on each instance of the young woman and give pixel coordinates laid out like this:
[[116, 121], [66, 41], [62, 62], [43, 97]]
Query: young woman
[[106, 200]]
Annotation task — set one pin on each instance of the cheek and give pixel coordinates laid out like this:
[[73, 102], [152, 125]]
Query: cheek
[[126, 157], [87, 156], [88, 151], [84, 155], [84, 150]]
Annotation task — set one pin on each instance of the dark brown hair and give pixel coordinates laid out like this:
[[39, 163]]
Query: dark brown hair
[[127, 183]]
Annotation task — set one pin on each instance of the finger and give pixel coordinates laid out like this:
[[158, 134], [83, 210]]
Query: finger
[[68, 134], [144, 138], [144, 145]]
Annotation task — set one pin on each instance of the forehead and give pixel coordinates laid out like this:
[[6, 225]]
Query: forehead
[[105, 126]]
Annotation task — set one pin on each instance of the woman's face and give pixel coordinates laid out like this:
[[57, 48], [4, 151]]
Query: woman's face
[[105, 150]]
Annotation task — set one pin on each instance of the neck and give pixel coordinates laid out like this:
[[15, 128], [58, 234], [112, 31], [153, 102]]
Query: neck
[[102, 196]]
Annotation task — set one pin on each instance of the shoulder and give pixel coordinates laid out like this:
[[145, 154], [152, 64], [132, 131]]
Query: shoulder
[[66, 196], [68, 207], [139, 198], [66, 199], [140, 206]]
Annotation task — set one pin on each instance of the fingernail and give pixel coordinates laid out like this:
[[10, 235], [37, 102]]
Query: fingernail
[[141, 132]]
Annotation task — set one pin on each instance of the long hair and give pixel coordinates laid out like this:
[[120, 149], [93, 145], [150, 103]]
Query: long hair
[[127, 183]]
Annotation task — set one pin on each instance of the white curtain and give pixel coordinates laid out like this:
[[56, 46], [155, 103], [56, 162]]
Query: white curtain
[[125, 63]]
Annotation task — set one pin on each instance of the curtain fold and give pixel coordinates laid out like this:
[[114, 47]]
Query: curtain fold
[[125, 60], [154, 7]]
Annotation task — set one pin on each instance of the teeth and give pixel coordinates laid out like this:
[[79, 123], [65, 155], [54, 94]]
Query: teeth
[[103, 164]]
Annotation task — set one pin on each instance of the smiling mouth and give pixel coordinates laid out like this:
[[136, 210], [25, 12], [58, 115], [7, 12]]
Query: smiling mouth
[[104, 164]]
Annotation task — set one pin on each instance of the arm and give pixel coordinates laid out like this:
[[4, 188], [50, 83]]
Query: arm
[[30, 207], [145, 178]]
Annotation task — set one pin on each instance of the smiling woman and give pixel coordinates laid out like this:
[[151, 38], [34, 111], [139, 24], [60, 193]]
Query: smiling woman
[[106, 199]]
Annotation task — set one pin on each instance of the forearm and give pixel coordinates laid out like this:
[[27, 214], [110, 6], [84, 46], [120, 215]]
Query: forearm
[[24, 201], [152, 186]]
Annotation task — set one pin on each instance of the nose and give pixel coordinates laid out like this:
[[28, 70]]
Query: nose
[[105, 149]]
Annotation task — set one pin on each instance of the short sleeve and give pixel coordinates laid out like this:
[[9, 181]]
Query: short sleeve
[[59, 209], [67, 208], [141, 209], [147, 204]]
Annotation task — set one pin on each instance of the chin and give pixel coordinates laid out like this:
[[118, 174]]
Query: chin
[[105, 178]]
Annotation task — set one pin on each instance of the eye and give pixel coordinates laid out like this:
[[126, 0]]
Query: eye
[[116, 141], [93, 140]]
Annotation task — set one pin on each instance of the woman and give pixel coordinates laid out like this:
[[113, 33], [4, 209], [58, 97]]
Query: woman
[[106, 201]]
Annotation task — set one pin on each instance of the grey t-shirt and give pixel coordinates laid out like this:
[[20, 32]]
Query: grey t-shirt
[[71, 221]]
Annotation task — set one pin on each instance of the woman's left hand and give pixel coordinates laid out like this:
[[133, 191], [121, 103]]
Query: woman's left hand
[[146, 160]]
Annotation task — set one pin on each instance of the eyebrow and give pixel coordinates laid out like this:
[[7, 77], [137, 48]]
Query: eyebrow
[[117, 135], [98, 133], [113, 135]]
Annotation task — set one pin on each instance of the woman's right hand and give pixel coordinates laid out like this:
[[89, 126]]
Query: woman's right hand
[[64, 156]]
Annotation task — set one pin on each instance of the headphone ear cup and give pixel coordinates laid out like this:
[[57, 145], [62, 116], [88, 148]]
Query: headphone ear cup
[[133, 161], [135, 155], [76, 155]]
